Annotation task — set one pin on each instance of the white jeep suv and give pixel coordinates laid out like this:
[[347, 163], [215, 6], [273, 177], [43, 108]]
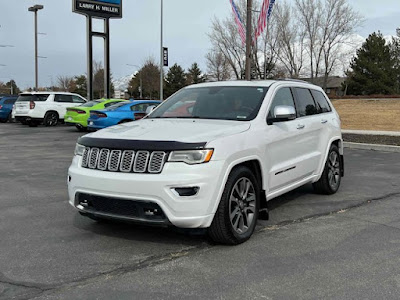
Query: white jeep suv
[[211, 156], [44, 107]]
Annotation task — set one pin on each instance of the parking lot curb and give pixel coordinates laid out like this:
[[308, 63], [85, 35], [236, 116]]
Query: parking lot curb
[[376, 147]]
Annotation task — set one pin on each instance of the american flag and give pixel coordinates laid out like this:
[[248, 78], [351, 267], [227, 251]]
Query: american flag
[[266, 10], [238, 20]]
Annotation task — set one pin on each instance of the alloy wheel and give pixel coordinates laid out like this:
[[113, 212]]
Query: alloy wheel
[[242, 205]]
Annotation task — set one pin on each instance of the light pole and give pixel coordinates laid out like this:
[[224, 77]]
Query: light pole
[[35, 9], [248, 39], [161, 57], [140, 78]]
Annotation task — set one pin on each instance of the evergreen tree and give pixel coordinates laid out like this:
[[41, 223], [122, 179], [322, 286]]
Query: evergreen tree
[[12, 87], [373, 68], [175, 80], [194, 75], [81, 85], [150, 75]]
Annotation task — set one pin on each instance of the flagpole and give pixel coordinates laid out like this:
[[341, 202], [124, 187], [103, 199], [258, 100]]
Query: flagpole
[[248, 39]]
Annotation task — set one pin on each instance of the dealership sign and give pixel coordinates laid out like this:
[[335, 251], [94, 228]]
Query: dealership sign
[[99, 8]]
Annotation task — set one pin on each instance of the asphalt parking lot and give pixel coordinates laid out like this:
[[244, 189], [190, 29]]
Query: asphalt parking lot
[[345, 246]]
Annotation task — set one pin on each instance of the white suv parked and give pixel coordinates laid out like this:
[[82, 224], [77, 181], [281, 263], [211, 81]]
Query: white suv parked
[[45, 107], [211, 156]]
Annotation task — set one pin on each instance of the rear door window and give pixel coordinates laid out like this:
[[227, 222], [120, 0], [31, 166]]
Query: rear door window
[[77, 99], [322, 103], [305, 103], [63, 98]]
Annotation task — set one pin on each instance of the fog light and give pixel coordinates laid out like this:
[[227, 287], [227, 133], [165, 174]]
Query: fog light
[[187, 191]]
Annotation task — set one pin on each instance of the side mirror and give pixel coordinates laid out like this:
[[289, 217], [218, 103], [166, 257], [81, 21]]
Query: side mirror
[[150, 109], [282, 113]]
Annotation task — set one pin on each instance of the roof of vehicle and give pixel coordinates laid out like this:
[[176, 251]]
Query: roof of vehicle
[[48, 93], [253, 83]]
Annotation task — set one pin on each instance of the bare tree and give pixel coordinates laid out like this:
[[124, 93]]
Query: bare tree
[[290, 48], [218, 66], [65, 83], [328, 25]]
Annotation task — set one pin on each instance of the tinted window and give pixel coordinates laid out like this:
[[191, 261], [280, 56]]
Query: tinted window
[[9, 101], [305, 103], [141, 107], [216, 102], [118, 105], [282, 97], [77, 99], [63, 98], [30, 97], [110, 104], [322, 103]]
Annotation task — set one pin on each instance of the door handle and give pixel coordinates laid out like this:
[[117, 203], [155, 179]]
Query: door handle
[[301, 126], [324, 121]]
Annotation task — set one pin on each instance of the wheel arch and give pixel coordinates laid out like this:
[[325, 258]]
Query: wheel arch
[[337, 141], [255, 165]]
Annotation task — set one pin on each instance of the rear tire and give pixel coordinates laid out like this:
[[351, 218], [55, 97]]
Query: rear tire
[[237, 213], [50, 119], [3, 120], [329, 182]]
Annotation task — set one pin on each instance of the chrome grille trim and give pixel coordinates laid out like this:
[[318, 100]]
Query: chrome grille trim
[[141, 160], [156, 161], [103, 159], [127, 161], [93, 157], [114, 159], [85, 157]]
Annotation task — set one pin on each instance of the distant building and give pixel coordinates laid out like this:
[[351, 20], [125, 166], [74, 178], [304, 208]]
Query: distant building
[[119, 94], [334, 85]]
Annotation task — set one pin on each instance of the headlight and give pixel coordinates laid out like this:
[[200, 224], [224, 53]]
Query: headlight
[[191, 157], [79, 149]]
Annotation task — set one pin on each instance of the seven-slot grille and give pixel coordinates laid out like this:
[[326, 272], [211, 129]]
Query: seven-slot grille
[[126, 161]]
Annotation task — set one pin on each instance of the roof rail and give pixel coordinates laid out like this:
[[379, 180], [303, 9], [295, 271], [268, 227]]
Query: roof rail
[[293, 79]]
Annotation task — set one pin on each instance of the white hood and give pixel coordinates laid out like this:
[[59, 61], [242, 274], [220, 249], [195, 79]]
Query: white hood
[[180, 130]]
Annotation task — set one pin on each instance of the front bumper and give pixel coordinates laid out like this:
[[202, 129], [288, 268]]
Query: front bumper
[[187, 212]]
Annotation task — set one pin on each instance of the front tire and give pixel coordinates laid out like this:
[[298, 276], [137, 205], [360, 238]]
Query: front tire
[[50, 119], [329, 182], [237, 213]]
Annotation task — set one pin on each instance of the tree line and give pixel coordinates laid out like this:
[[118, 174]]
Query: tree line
[[148, 79]]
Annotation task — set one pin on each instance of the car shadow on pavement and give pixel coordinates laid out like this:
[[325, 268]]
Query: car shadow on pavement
[[139, 232]]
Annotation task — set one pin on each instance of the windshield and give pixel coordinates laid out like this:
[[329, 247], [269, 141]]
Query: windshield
[[91, 103], [30, 97], [225, 103]]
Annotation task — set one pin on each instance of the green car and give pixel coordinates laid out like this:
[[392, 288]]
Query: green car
[[79, 115]]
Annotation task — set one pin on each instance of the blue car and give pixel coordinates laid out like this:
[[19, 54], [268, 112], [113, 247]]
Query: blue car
[[6, 105], [119, 113]]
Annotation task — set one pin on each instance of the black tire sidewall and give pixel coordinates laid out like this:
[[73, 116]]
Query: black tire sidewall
[[47, 116], [235, 175], [333, 148]]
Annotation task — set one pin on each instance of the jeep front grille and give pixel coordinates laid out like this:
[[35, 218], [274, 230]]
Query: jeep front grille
[[127, 161]]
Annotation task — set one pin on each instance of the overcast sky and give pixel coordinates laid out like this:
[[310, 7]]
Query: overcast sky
[[133, 38]]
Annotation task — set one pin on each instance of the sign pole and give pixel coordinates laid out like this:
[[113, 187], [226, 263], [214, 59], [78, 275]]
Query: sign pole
[[89, 80], [107, 73], [162, 58]]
